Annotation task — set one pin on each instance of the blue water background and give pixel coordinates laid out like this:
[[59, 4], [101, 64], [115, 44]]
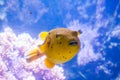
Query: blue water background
[[55, 17]]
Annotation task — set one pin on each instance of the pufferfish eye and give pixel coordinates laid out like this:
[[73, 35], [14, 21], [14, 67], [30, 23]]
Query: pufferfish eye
[[59, 36], [74, 33], [73, 43]]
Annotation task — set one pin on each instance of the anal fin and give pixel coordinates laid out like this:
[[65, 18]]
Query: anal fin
[[48, 63]]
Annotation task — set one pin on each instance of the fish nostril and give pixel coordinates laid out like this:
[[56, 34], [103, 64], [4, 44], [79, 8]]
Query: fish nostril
[[73, 43]]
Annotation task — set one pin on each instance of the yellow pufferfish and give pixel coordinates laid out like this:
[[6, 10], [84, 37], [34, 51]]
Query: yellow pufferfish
[[60, 45]]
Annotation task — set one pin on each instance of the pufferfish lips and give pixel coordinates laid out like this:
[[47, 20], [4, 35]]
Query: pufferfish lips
[[73, 43]]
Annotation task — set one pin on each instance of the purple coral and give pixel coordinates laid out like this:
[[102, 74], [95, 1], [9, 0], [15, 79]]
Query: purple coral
[[13, 65]]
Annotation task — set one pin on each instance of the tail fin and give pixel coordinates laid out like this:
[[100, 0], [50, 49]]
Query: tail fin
[[33, 55]]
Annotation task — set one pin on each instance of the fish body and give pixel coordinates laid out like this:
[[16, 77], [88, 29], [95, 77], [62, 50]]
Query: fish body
[[60, 45]]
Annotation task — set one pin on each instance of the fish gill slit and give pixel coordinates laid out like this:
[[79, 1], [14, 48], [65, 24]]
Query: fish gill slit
[[48, 43]]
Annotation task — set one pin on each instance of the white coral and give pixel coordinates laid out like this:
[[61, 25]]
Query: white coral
[[13, 64]]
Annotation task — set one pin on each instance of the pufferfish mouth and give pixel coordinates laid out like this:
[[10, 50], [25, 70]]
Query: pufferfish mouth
[[73, 43]]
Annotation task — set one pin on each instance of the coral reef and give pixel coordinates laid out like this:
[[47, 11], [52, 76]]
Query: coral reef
[[13, 65]]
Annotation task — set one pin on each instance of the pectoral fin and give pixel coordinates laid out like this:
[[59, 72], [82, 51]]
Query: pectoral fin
[[34, 54], [48, 63], [43, 35], [42, 48]]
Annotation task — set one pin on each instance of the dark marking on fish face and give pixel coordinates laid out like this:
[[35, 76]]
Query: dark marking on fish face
[[74, 33], [73, 43], [59, 36], [49, 33]]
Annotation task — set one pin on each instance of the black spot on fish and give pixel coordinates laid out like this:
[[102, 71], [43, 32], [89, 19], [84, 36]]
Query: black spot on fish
[[48, 40], [51, 47], [64, 57], [70, 52], [49, 33], [57, 35], [59, 42]]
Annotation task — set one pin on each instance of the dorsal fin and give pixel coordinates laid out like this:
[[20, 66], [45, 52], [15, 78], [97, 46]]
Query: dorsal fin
[[43, 35]]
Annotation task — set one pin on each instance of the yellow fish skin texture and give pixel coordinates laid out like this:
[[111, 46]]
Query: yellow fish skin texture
[[60, 45]]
